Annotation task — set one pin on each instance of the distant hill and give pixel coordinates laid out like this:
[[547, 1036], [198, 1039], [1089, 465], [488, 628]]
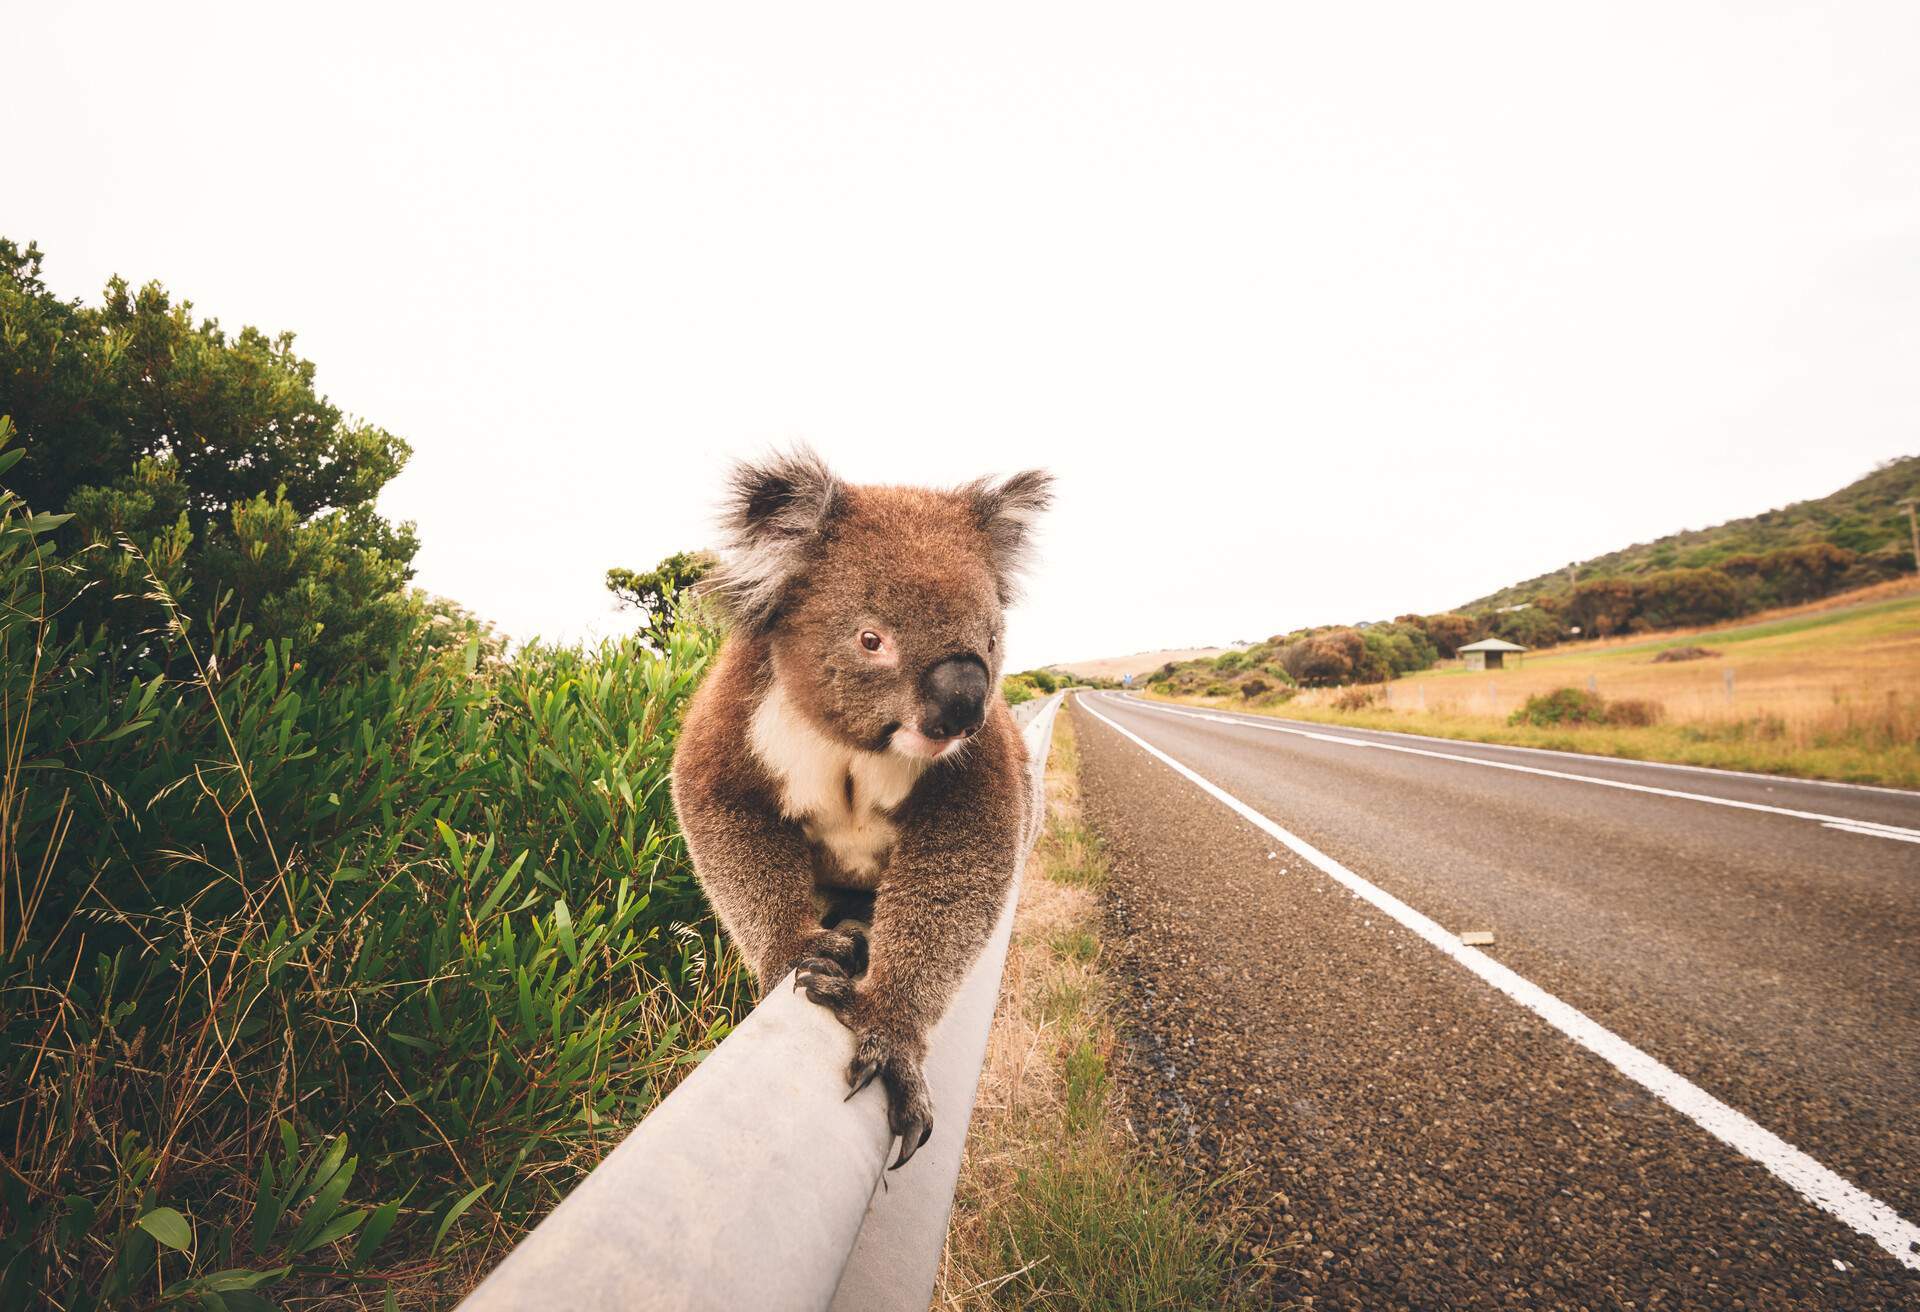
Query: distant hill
[[1862, 517], [1118, 667]]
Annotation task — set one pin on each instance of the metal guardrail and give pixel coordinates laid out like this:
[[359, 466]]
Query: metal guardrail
[[754, 1186]]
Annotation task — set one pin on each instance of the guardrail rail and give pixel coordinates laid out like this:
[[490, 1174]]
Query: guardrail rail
[[754, 1186]]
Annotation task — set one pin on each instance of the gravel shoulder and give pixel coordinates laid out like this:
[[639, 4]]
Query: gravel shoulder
[[1418, 1140]]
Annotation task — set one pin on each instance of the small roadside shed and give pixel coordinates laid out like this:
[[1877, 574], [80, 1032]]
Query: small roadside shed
[[1490, 654]]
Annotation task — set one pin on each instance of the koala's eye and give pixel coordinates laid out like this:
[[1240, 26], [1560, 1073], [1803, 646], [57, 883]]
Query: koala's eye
[[870, 640], [989, 644]]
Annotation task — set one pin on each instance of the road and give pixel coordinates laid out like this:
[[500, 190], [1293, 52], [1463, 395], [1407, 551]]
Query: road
[[1686, 1073]]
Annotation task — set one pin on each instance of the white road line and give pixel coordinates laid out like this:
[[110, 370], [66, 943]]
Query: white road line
[[1820, 816], [1598, 759], [1875, 832], [1820, 1186]]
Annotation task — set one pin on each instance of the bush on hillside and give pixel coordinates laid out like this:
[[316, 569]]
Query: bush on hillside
[[1566, 706], [1447, 632], [1331, 657], [1536, 626], [1679, 598], [1251, 688], [1561, 706], [1601, 607]]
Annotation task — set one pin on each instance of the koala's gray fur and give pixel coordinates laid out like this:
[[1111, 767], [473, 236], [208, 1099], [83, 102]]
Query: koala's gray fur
[[822, 783]]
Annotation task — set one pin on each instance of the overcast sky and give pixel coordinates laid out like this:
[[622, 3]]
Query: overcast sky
[[1320, 312]]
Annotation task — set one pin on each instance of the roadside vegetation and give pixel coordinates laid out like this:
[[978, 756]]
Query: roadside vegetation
[[1058, 1207], [1029, 684], [1826, 690], [336, 943]]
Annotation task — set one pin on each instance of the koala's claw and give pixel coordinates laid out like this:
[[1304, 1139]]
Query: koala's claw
[[826, 968], [860, 1075], [909, 1143], [909, 1107], [824, 984]]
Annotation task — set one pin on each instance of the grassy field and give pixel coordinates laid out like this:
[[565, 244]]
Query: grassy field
[[1056, 1207], [1826, 691]]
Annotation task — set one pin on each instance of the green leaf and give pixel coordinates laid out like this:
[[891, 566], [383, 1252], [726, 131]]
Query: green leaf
[[240, 1278], [339, 1228], [8, 458], [563, 923], [169, 1227], [454, 1214], [43, 523], [124, 730], [267, 1204], [374, 1233], [452, 840], [320, 1212]]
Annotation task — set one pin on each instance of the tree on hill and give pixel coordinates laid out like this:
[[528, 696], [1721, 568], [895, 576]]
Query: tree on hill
[[210, 456], [1600, 607], [1682, 597]]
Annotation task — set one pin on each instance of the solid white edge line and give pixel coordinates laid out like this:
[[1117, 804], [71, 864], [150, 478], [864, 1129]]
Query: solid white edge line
[[1820, 816], [1874, 833], [1596, 757], [1814, 1182]]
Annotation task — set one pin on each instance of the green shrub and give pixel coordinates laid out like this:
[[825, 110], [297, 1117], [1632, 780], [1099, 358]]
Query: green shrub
[[1561, 706], [1332, 657], [325, 982]]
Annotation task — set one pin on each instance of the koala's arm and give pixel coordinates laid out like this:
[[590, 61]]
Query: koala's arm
[[754, 864], [757, 871], [943, 892]]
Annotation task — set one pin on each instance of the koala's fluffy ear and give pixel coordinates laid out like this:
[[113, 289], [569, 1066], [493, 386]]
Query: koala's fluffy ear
[[775, 511], [1006, 512]]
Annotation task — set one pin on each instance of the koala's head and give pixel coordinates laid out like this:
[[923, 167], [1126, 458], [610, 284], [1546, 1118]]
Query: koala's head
[[883, 606]]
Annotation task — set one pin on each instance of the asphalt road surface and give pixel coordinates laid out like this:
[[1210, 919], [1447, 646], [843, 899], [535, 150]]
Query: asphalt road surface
[[1686, 1072]]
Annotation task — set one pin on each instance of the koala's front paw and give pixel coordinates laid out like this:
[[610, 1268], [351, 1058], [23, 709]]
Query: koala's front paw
[[827, 967], [909, 1105]]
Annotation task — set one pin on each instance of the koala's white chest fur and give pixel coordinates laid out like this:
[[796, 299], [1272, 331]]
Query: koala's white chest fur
[[840, 795]]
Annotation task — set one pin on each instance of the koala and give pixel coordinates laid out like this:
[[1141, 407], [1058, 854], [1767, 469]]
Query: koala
[[852, 787]]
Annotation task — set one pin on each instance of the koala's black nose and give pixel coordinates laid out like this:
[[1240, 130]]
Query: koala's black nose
[[956, 697]]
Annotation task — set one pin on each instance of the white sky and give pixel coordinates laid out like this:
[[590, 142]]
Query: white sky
[[1319, 312]]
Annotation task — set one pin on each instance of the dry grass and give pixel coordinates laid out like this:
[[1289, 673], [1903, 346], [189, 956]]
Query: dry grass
[[1822, 691], [1056, 1207]]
